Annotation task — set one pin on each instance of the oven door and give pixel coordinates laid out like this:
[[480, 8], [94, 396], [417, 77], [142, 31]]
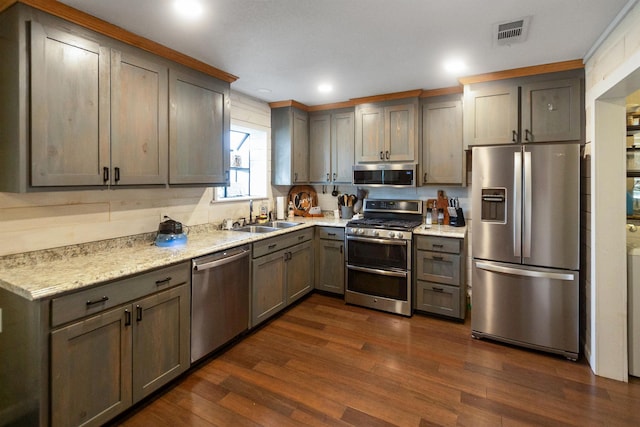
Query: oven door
[[389, 284], [382, 254]]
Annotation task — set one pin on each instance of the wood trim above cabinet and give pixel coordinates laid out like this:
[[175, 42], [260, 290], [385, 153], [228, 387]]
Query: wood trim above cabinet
[[429, 93], [90, 22], [554, 67]]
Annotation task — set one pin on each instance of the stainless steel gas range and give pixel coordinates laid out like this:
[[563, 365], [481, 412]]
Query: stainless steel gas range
[[379, 255]]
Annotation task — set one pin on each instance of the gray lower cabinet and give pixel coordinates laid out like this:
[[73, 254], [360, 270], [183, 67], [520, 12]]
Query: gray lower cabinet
[[104, 363], [439, 276], [282, 273], [330, 259]]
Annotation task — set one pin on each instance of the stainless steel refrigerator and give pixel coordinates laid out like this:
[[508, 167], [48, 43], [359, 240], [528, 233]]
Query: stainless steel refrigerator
[[526, 242]]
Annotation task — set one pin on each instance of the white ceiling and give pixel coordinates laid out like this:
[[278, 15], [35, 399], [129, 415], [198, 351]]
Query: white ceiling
[[361, 47]]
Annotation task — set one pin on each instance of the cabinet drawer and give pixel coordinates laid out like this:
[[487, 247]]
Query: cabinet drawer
[[439, 244], [274, 244], [91, 301], [330, 233], [438, 267], [437, 298]]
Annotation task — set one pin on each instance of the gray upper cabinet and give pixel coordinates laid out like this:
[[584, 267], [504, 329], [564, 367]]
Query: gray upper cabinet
[[139, 133], [85, 110], [331, 146], [290, 146], [199, 129], [543, 108], [551, 111], [70, 108], [386, 131], [442, 152], [491, 114]]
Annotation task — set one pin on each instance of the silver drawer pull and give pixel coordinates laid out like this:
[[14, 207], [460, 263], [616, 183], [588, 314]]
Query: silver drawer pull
[[437, 246], [98, 301], [437, 289]]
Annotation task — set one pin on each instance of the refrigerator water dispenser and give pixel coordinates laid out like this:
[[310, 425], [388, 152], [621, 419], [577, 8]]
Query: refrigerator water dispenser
[[494, 205]]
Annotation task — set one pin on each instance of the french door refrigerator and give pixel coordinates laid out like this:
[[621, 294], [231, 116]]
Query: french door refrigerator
[[525, 234]]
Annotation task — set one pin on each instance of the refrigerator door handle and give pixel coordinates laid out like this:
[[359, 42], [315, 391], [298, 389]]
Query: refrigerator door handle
[[526, 219], [521, 272], [517, 204]]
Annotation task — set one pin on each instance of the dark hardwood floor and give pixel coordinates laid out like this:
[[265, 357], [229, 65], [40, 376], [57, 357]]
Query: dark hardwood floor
[[324, 363]]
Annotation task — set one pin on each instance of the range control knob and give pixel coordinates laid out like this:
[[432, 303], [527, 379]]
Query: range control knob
[[392, 235], [353, 230], [376, 233], [360, 231]]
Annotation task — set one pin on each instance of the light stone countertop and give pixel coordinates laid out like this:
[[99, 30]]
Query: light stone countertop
[[52, 272], [441, 231], [49, 273]]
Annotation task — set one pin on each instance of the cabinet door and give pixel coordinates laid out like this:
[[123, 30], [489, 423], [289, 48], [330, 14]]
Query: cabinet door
[[551, 111], [139, 134], [400, 133], [491, 115], [299, 271], [268, 287], [440, 299], [330, 266], [342, 146], [69, 108], [91, 369], [370, 134], [438, 267], [160, 339], [199, 141], [442, 143], [320, 148], [300, 142]]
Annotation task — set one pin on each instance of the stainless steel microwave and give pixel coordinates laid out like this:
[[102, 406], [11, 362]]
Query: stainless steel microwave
[[385, 175]]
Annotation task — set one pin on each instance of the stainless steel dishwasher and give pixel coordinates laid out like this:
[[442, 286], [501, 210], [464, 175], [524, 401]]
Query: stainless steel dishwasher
[[219, 299]]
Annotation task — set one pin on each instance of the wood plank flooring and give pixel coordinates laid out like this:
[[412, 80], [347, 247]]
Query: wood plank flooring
[[324, 363]]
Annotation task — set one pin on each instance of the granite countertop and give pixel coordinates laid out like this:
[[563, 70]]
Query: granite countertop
[[49, 273], [441, 231]]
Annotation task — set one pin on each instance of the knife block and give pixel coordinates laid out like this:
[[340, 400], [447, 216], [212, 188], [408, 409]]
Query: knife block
[[458, 220]]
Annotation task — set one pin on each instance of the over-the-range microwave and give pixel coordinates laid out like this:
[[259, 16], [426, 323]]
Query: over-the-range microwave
[[385, 175]]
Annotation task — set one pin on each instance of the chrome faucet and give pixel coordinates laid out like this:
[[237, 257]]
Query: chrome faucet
[[250, 211]]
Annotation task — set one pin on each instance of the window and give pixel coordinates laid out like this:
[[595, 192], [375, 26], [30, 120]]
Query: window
[[248, 171]]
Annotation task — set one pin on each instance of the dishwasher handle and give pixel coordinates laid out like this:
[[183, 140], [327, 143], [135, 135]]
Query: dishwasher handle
[[220, 261]]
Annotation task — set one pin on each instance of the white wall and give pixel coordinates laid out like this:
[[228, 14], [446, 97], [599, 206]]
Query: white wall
[[609, 79]]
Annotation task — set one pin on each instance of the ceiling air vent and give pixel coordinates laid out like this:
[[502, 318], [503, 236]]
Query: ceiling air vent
[[507, 33]]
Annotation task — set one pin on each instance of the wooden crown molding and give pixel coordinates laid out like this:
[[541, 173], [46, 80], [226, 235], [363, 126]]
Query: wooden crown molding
[[428, 93], [554, 67], [83, 19]]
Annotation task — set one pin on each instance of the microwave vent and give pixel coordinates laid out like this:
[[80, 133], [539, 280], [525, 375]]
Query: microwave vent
[[510, 32]]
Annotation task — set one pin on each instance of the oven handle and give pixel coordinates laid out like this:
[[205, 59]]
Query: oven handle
[[376, 271], [378, 241]]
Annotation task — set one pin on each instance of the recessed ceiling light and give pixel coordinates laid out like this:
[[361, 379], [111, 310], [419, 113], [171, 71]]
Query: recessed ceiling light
[[190, 9], [455, 66], [325, 88], [264, 90]]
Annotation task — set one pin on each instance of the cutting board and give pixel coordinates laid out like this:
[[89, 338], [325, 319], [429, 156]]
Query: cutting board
[[304, 197], [441, 202]]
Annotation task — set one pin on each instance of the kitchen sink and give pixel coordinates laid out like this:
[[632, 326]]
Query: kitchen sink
[[282, 224], [256, 229]]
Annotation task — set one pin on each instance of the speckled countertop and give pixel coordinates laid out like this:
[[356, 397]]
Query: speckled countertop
[[48, 273], [441, 231]]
